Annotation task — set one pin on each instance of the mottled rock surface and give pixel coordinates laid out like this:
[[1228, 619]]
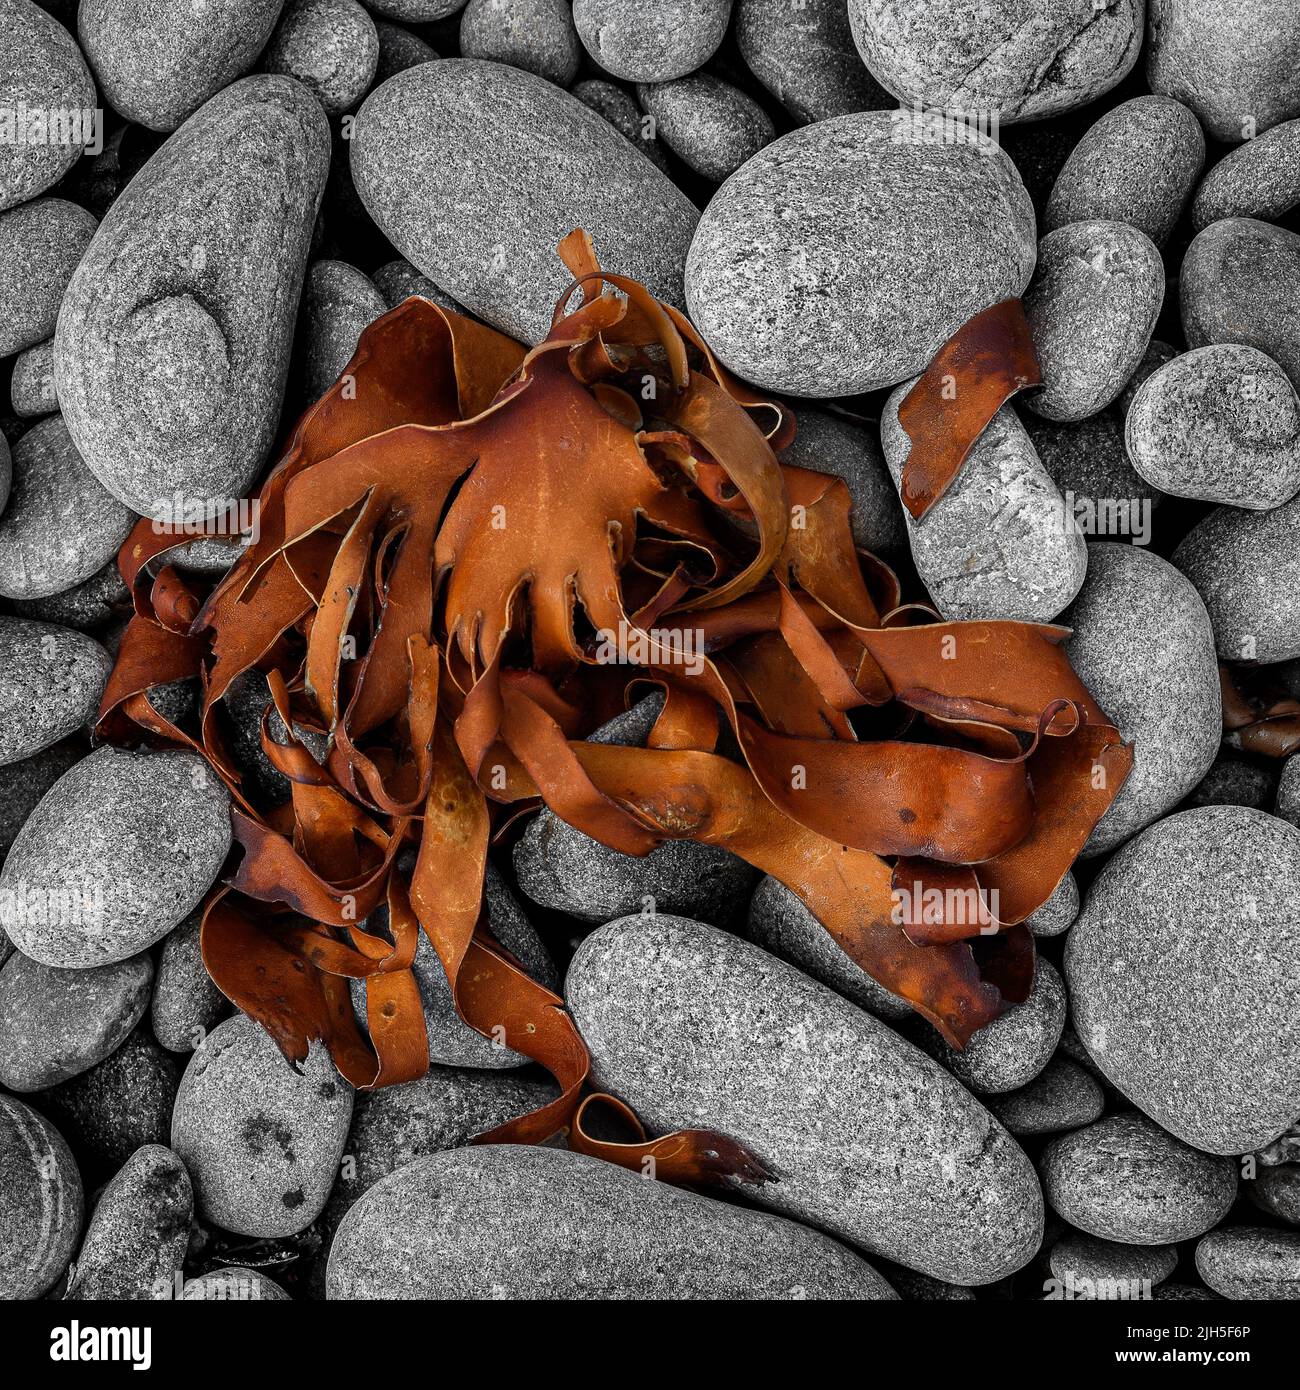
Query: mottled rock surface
[[1251, 1262], [536, 35], [1061, 1096], [186, 1004], [53, 678], [651, 40], [1106, 1269], [711, 125], [330, 46], [41, 1202], [41, 243], [1259, 179]]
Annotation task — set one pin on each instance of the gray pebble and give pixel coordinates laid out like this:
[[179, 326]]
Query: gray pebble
[[1103, 493], [1061, 1096], [137, 1237], [89, 607], [1258, 179], [651, 40], [6, 464], [709, 124], [1137, 164], [920, 1288], [399, 280], [53, 680], [1039, 59], [1183, 1293], [330, 46], [61, 525], [1107, 1270], [1232, 781], [186, 1004], [1251, 1262], [234, 1284], [414, 11], [157, 63], [870, 1139], [1182, 974], [207, 555], [123, 846], [622, 112], [261, 1139], [486, 231], [31, 389], [844, 254], [58, 1023], [1092, 308], [338, 304], [399, 49], [174, 336], [512, 1222], [1057, 914], [23, 784], [1142, 645], [1287, 804], [1276, 1191], [1155, 357], [536, 35], [41, 243], [41, 1202]]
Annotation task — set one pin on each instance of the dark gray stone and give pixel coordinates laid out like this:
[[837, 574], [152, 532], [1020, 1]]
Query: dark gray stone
[[1183, 1293], [414, 11], [1287, 804], [1259, 179], [1232, 781], [536, 35], [622, 112], [1155, 357], [41, 1202], [186, 1004], [1058, 913], [399, 49], [330, 46], [31, 388], [399, 280], [52, 682], [1276, 1191], [41, 243], [234, 1284], [1106, 1270], [651, 40], [90, 607], [1251, 1262], [709, 124], [22, 784], [338, 304], [1061, 1096], [920, 1288]]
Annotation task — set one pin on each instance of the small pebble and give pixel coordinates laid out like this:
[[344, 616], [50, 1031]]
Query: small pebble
[[41, 243], [1276, 1191], [1258, 179], [1251, 1262], [338, 304], [53, 680], [31, 389], [233, 1285], [1107, 1270], [622, 112], [186, 1004], [399, 49], [25, 782], [41, 1202], [651, 40], [1061, 1096], [1058, 913], [536, 35], [1232, 781], [709, 124], [331, 46]]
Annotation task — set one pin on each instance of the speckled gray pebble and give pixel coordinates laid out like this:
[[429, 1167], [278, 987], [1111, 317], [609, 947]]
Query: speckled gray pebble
[[6, 464], [41, 1202], [1105, 1269], [330, 46], [157, 63], [622, 112], [414, 11], [1237, 66], [651, 40], [1103, 493], [173, 340], [1246, 1263], [399, 49], [89, 606], [43, 72], [61, 525], [1232, 781], [1137, 164], [1260, 179], [871, 1140], [1022, 61], [709, 124], [1183, 970], [57, 1023], [31, 389], [511, 1222], [1276, 1191], [1183, 1293], [1092, 308], [186, 1004], [398, 280], [536, 35], [262, 1141], [1000, 542], [338, 303], [136, 1240], [1287, 804], [1157, 354], [52, 681], [233, 1284], [486, 230], [122, 847], [858, 247], [41, 243], [1143, 646], [1061, 1096], [23, 783], [1057, 914]]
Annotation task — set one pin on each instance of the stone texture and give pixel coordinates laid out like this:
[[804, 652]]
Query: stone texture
[[338, 303], [1259, 179], [1157, 354], [860, 245], [41, 243], [91, 606], [31, 388], [399, 49], [536, 35], [1183, 971], [1276, 1191], [1061, 1096], [1251, 1262], [330, 46], [415, 11], [1287, 804], [398, 280], [186, 1004], [622, 112], [1104, 495], [651, 40], [1058, 913], [709, 124], [509, 1222], [1232, 781], [23, 783], [233, 1284], [1107, 1270], [53, 679], [41, 1202]]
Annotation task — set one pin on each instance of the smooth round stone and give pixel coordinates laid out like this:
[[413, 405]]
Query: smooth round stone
[[399, 49], [1237, 66], [1000, 542], [186, 1004], [1277, 1191], [1137, 164], [1232, 781], [1105, 1269], [31, 388], [57, 1023], [1182, 973], [1058, 913], [41, 1202], [486, 230], [330, 46], [158, 63], [513, 1222], [61, 525], [1251, 1262], [622, 112], [43, 71], [1123, 1178], [52, 682], [137, 1237], [339, 303], [23, 783], [871, 1139], [1155, 357], [1092, 308], [262, 1140], [1259, 179], [1106, 497], [90, 607], [1246, 566], [140, 836], [709, 124], [1019, 61], [779, 922], [1143, 646], [1061, 1096], [651, 40], [536, 35], [860, 248], [41, 243], [174, 336], [1287, 804], [1220, 424], [398, 280], [1240, 283], [805, 56], [234, 1284]]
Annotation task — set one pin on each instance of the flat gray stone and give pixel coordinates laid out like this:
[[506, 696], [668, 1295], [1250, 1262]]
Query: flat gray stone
[[486, 231], [709, 124], [399, 49], [1258, 179], [174, 336], [234, 1284], [651, 40], [339, 303], [844, 254], [1058, 913], [138, 1234], [1092, 308], [123, 846], [23, 783], [1000, 542], [1251, 1262], [158, 63], [262, 1141], [1183, 971], [512, 1222], [1023, 63], [622, 112], [330, 46], [1137, 164], [41, 243], [1106, 1270], [58, 1023], [186, 1005], [870, 1139], [31, 388], [1143, 646], [1232, 781], [536, 35], [41, 1202], [1061, 1096], [52, 682]]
